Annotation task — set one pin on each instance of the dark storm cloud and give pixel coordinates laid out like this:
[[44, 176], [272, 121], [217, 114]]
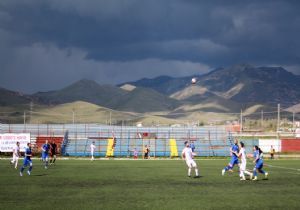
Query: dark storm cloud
[[121, 37]]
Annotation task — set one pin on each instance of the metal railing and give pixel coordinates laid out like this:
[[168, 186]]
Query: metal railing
[[208, 140]]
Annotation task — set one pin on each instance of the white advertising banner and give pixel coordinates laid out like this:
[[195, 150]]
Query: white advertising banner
[[265, 145], [297, 133], [9, 140]]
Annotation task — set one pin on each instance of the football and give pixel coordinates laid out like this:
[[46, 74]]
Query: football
[[194, 80]]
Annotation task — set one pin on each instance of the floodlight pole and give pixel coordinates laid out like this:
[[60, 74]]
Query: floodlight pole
[[73, 118], [24, 117], [31, 108], [241, 119], [110, 118], [24, 121], [262, 118], [293, 120], [278, 117]]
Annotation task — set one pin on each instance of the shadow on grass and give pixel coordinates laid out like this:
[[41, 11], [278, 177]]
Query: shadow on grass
[[194, 177]]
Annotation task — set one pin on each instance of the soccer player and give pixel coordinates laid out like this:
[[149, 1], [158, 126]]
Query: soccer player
[[187, 155], [45, 155], [242, 155], [93, 148], [135, 153], [192, 145], [27, 160], [16, 154], [259, 163], [53, 151], [234, 150]]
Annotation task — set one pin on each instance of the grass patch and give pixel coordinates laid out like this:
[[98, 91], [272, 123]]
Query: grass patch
[[146, 184]]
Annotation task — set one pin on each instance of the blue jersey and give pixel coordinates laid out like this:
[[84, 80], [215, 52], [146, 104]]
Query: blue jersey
[[192, 147], [259, 161], [235, 148], [28, 153], [257, 156], [46, 148]]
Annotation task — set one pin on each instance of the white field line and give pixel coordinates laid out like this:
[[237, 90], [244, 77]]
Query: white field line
[[287, 172], [96, 159], [293, 173], [272, 166], [153, 159]]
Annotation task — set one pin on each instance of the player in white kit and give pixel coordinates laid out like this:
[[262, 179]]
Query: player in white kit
[[242, 155], [16, 154], [93, 148], [187, 155]]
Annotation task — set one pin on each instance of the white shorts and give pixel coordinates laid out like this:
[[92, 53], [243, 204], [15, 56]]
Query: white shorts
[[191, 163], [15, 158], [243, 166]]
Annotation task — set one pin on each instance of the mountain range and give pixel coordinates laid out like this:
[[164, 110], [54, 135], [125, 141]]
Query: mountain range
[[242, 83], [139, 99], [223, 90]]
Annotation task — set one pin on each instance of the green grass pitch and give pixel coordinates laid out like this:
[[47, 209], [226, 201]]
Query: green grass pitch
[[147, 184]]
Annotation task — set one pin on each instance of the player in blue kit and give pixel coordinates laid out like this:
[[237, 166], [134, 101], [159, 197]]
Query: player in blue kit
[[45, 153], [259, 163], [234, 150], [27, 160]]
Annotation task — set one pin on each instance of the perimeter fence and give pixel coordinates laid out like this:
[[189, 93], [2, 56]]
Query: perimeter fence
[[123, 140]]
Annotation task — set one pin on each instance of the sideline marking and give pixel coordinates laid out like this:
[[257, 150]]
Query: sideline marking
[[294, 173], [272, 166]]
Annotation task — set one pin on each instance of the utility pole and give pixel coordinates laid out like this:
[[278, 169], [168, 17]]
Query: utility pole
[[278, 117], [262, 118], [24, 121], [24, 116], [73, 113], [241, 121], [31, 108], [110, 118], [293, 120]]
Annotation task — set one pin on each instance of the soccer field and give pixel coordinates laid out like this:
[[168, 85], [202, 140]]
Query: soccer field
[[147, 184]]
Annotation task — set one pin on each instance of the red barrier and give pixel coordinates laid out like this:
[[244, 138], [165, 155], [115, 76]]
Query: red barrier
[[233, 128], [290, 145], [40, 140]]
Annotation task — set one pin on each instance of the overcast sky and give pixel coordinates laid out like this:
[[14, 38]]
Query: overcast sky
[[48, 44]]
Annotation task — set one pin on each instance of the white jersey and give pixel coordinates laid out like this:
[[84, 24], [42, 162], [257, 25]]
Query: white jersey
[[93, 147], [16, 150], [188, 153], [243, 155]]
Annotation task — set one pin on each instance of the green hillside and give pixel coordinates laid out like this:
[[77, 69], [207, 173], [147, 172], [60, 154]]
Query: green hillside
[[83, 113], [137, 100], [83, 90]]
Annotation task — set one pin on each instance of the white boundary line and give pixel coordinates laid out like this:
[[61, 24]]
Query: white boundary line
[[293, 173], [103, 158], [165, 159], [287, 172], [272, 166]]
